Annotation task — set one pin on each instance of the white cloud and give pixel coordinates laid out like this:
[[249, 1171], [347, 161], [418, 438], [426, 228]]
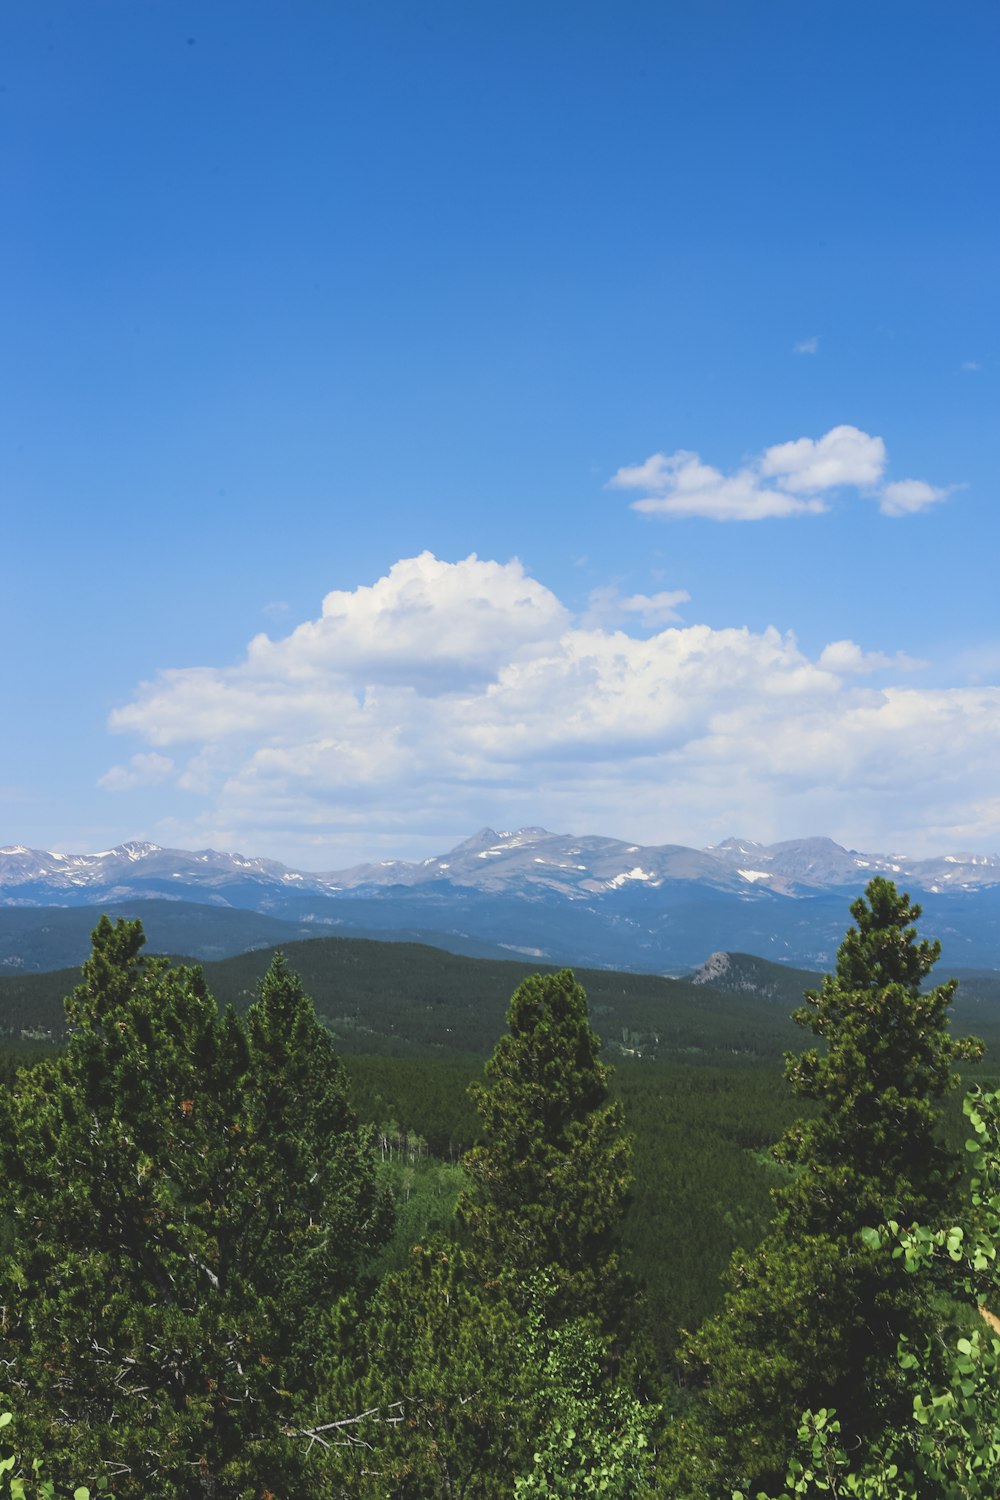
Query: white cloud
[[846, 657], [446, 696], [686, 487], [787, 479], [445, 622], [905, 496], [147, 769], [970, 366], [846, 455], [806, 346]]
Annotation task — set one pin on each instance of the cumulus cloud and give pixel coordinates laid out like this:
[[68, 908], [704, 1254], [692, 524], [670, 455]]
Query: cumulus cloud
[[448, 695], [788, 479], [846, 455], [451, 623], [806, 346], [656, 609], [684, 486]]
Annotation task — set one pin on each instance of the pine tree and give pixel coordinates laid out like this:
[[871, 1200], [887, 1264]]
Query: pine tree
[[313, 1212], [814, 1317], [551, 1180], [948, 1444], [886, 1065], [456, 1385], [173, 1249]]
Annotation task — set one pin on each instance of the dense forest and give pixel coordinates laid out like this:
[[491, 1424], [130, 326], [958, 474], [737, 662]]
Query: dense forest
[[246, 1257]]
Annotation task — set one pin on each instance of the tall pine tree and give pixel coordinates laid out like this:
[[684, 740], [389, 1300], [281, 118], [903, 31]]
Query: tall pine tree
[[550, 1181], [814, 1317], [457, 1387]]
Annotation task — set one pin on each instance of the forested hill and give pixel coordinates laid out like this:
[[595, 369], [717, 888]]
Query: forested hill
[[407, 999]]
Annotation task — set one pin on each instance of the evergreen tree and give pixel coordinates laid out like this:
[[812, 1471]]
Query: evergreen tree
[[175, 1239], [311, 1209], [948, 1445], [879, 1080], [814, 1317], [444, 1393], [457, 1377], [550, 1182]]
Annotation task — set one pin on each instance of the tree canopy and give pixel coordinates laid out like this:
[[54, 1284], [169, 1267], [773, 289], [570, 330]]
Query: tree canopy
[[191, 1196]]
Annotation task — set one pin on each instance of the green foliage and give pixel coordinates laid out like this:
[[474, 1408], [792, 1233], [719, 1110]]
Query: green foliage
[[464, 1394], [817, 1313], [702, 1188], [461, 1384], [23, 1479], [429, 1094], [593, 1435], [949, 1451], [197, 1213], [702, 1176], [551, 1179], [191, 1198], [424, 1193], [947, 1447], [442, 1393], [409, 1000]]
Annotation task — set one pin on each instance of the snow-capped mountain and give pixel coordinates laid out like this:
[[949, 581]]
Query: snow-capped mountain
[[822, 864], [526, 859], [579, 899], [122, 867]]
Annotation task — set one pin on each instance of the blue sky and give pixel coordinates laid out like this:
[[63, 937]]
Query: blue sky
[[680, 319]]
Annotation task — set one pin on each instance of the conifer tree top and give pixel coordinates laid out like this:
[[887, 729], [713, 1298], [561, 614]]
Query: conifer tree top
[[550, 1055], [883, 948]]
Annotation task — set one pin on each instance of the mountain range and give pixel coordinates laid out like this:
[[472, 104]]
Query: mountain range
[[559, 897]]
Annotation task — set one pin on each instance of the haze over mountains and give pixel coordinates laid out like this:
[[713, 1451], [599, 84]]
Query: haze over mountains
[[577, 899]]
